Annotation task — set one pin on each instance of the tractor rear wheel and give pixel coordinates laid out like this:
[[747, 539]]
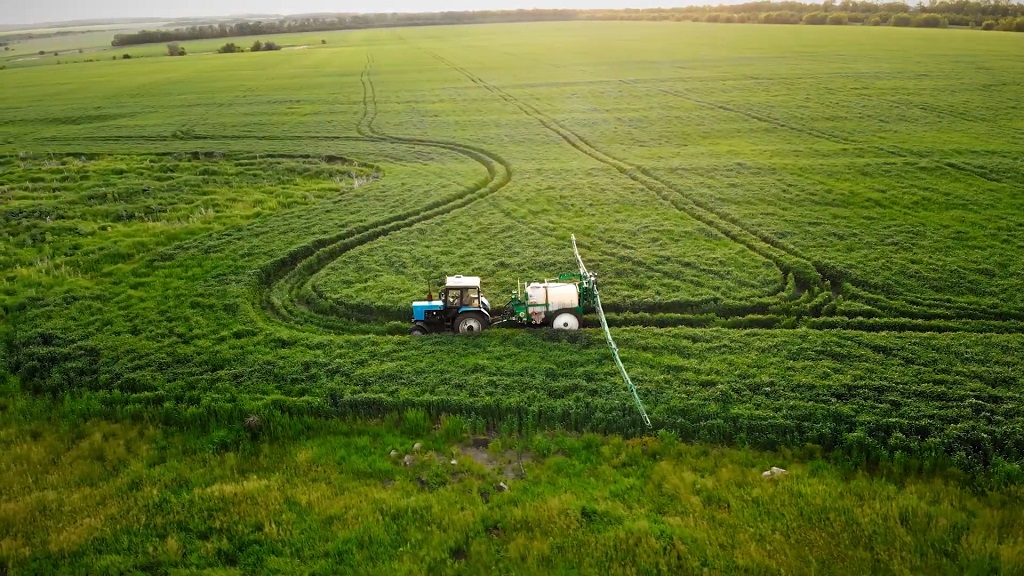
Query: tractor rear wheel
[[469, 323], [566, 321]]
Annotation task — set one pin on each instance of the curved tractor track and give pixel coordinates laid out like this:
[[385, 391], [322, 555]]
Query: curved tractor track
[[285, 291], [288, 296], [788, 260], [818, 285]]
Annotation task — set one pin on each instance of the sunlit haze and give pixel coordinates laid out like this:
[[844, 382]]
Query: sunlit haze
[[32, 11]]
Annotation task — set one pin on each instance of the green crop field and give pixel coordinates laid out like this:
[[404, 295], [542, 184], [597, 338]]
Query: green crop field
[[808, 242]]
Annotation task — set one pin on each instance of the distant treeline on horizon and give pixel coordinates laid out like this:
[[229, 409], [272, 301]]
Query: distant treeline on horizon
[[986, 15]]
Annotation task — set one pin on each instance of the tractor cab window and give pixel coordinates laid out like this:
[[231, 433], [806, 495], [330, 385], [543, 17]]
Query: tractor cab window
[[471, 297], [453, 298]]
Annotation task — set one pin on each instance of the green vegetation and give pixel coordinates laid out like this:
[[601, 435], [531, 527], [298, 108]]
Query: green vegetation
[[961, 13], [175, 49], [70, 218], [793, 207], [24, 47], [807, 239], [97, 48], [321, 497], [837, 19]]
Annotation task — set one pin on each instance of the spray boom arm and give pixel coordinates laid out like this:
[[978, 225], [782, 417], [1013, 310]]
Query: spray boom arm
[[591, 280]]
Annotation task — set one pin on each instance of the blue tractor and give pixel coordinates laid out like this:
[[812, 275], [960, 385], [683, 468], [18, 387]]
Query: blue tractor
[[461, 308]]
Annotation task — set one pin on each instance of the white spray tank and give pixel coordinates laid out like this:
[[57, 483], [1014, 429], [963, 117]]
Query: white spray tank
[[544, 297]]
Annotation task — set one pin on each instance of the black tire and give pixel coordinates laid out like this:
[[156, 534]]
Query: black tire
[[470, 323], [418, 330]]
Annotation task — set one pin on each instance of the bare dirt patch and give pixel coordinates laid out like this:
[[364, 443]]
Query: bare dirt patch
[[509, 463]]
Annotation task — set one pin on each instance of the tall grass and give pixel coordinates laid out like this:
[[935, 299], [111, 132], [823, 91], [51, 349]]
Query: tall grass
[[328, 498]]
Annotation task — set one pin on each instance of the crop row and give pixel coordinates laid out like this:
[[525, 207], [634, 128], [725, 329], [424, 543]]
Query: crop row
[[798, 264], [285, 280], [828, 201], [932, 397], [269, 312], [320, 307]]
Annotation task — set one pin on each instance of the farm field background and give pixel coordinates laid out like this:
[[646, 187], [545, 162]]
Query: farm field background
[[715, 177], [804, 236], [95, 45]]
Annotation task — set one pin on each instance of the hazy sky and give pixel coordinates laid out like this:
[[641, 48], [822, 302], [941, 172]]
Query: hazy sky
[[32, 11]]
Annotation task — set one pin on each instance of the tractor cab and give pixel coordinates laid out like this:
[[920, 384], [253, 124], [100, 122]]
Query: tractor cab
[[460, 307]]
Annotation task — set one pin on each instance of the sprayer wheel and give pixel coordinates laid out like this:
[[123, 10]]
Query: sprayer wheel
[[566, 321]]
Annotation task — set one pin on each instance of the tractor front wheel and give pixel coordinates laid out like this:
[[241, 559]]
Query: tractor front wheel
[[470, 322], [418, 330]]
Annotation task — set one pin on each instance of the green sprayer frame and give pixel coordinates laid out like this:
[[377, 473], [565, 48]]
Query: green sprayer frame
[[519, 307]]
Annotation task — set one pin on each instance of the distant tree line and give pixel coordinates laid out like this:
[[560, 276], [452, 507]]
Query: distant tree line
[[267, 46], [341, 22], [230, 48], [257, 46], [22, 36], [985, 15], [1002, 15]]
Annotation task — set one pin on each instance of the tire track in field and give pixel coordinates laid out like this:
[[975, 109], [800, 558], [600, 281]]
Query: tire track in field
[[784, 257], [949, 309], [288, 296], [630, 170], [762, 244], [819, 134], [285, 293], [920, 107]]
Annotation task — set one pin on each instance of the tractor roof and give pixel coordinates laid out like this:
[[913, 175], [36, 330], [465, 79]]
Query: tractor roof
[[461, 281]]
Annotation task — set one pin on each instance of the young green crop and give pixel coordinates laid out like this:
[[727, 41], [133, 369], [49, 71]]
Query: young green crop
[[787, 208]]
